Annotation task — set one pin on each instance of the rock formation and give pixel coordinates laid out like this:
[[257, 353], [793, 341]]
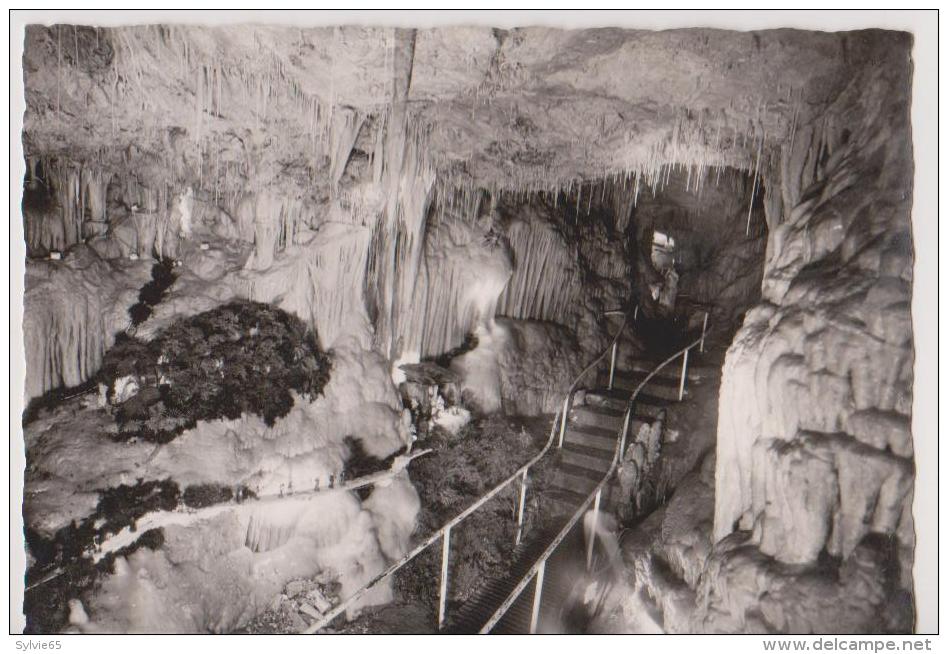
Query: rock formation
[[408, 192]]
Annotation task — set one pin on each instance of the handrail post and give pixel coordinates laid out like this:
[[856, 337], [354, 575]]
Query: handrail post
[[625, 431], [684, 374], [563, 421], [592, 531], [537, 592], [704, 328], [523, 498], [612, 363], [635, 314], [443, 592]]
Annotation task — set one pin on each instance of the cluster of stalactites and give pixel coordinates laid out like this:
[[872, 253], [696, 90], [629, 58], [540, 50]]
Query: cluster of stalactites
[[80, 193], [545, 281], [698, 146], [204, 150]]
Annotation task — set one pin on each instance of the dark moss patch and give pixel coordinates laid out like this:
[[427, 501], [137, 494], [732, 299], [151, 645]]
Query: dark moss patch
[[460, 469], [162, 277], [200, 495], [123, 505], [444, 360], [243, 357], [61, 571], [54, 398], [360, 463]]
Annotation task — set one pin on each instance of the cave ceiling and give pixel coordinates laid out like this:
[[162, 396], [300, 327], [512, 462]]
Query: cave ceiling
[[522, 108]]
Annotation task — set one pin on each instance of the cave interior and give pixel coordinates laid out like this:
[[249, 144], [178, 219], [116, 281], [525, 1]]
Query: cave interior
[[266, 262]]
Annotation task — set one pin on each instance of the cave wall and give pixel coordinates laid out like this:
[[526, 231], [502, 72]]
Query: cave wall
[[814, 450], [73, 311], [573, 251]]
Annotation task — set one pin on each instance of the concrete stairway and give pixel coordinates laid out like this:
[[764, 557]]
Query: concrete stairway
[[589, 445], [593, 433], [472, 616]]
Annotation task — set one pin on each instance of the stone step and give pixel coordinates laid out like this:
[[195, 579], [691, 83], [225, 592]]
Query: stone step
[[574, 478], [697, 369], [586, 457], [661, 387], [599, 416], [646, 405], [592, 437], [563, 501], [602, 439]]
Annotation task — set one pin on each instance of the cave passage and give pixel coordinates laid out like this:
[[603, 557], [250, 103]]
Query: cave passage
[[377, 315]]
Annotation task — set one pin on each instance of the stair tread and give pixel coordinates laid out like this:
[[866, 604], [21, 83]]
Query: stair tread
[[603, 444], [635, 416], [598, 460], [601, 410], [591, 430], [673, 369], [637, 376], [578, 471], [567, 494], [595, 452], [621, 395]]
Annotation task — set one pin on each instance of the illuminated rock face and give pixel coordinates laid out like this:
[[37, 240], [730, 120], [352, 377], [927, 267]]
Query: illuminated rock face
[[72, 310], [814, 446]]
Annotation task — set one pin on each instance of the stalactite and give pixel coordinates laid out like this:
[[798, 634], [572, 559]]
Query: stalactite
[[345, 131], [544, 281], [70, 320], [458, 286], [321, 280], [750, 206]]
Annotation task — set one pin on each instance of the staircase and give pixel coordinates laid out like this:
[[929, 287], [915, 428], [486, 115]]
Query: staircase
[[469, 618], [548, 563], [585, 457], [590, 442]]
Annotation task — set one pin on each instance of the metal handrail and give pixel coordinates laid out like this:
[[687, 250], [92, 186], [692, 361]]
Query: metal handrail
[[540, 564], [538, 568], [699, 342], [444, 533], [613, 350], [440, 533]]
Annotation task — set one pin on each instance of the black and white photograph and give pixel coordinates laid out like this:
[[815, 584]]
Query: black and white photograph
[[551, 323]]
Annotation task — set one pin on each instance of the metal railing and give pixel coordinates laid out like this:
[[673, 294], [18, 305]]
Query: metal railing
[[612, 350], [444, 533], [539, 567]]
